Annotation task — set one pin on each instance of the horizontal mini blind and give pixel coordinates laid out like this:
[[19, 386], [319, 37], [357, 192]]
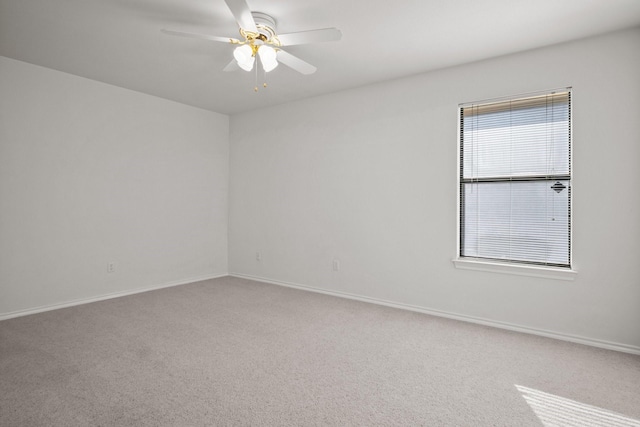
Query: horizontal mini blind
[[515, 179]]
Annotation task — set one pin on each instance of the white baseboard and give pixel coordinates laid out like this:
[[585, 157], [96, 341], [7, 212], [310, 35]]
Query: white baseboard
[[478, 320], [49, 307]]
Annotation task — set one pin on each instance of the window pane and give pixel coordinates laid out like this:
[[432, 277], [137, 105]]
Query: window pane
[[516, 142], [520, 220]]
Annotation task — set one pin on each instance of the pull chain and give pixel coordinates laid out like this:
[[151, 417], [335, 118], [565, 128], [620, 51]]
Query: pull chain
[[264, 85], [255, 88]]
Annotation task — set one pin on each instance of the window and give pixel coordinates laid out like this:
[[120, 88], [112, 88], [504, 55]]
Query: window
[[515, 180]]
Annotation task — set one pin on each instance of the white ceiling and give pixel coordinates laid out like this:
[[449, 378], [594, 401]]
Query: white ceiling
[[119, 41]]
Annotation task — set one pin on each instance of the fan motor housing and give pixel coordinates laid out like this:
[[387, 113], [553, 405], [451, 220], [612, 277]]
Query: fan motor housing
[[266, 24]]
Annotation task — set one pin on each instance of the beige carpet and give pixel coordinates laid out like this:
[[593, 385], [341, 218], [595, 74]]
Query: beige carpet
[[234, 352]]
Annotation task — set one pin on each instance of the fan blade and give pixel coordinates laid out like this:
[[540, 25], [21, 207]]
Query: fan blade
[[242, 13], [201, 36], [311, 36], [231, 66], [296, 63]]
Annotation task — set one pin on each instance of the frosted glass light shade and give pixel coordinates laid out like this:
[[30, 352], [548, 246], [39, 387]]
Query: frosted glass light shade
[[268, 58], [244, 56]]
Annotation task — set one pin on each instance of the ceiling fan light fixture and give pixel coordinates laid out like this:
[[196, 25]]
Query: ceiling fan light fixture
[[244, 56], [260, 38], [267, 57]]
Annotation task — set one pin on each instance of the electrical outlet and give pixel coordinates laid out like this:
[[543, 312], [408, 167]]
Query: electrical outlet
[[111, 267], [336, 265], [258, 256]]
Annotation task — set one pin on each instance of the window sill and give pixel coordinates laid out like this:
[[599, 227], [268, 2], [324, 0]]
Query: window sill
[[517, 269]]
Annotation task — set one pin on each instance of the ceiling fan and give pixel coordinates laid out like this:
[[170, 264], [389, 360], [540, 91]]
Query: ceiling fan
[[259, 38]]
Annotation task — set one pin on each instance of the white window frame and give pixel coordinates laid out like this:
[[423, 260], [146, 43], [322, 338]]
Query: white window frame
[[513, 267]]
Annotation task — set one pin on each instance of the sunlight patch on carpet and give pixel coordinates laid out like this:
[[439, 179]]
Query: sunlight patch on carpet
[[554, 410]]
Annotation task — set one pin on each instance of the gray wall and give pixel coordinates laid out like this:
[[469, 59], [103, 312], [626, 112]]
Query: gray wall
[[92, 174], [368, 176]]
